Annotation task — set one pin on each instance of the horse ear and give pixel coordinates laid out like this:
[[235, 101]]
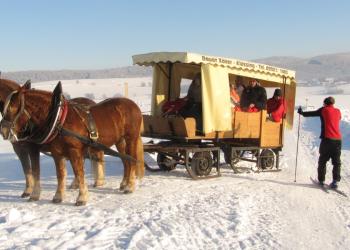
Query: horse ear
[[58, 89], [27, 85]]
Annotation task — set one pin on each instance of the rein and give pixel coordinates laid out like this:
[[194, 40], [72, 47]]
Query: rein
[[94, 144]]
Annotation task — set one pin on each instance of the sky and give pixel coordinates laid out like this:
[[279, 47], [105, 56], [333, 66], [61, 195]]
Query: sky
[[99, 34]]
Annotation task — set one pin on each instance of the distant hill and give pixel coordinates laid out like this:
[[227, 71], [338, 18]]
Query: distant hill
[[39, 76], [335, 66]]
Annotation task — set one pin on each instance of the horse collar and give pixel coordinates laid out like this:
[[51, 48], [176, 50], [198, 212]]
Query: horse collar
[[58, 122]]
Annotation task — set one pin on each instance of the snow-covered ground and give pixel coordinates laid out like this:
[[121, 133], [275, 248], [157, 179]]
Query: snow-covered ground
[[170, 210]]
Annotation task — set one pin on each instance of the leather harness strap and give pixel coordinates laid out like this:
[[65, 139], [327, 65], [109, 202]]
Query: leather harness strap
[[94, 144], [89, 122]]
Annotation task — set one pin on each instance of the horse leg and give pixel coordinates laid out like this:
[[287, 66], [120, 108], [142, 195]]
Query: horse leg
[[77, 161], [23, 155], [61, 174], [131, 149], [34, 155], [98, 168], [74, 184], [140, 169], [121, 149]]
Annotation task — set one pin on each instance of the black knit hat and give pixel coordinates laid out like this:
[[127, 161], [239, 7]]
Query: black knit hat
[[329, 100], [277, 92]]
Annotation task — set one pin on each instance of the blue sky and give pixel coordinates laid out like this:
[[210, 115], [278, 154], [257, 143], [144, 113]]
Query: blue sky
[[87, 34]]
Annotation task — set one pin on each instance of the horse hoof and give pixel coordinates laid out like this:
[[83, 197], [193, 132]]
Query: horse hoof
[[56, 200], [33, 199], [98, 184], [25, 195], [127, 191], [80, 203]]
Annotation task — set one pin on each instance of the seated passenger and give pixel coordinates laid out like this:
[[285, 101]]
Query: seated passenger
[[253, 97], [235, 97], [194, 93], [193, 106], [276, 107], [173, 107]]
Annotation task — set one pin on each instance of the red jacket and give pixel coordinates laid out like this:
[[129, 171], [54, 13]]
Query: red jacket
[[276, 108], [330, 121]]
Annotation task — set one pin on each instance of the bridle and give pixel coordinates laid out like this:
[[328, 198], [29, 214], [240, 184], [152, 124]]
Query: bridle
[[11, 124]]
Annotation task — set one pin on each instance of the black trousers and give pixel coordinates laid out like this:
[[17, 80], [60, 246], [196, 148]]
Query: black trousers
[[329, 149]]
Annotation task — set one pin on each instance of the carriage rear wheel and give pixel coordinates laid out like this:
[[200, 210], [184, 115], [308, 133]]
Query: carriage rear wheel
[[165, 162], [202, 163], [267, 159]]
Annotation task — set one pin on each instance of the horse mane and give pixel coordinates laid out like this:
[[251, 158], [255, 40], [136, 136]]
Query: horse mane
[[9, 84], [39, 101]]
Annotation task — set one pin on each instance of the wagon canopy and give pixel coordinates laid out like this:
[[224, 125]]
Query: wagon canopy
[[215, 73]]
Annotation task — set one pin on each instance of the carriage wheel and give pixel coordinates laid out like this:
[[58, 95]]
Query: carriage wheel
[[231, 158], [267, 159], [165, 162], [202, 163]]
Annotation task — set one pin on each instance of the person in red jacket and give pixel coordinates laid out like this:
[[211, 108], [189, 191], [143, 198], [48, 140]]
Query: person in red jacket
[[276, 106], [330, 147]]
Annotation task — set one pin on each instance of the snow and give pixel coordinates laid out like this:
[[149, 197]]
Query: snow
[[266, 210]]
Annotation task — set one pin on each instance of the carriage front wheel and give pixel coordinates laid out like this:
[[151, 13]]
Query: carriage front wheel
[[166, 162]]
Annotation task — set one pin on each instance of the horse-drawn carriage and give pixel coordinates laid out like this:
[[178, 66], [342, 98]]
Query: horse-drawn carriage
[[240, 135], [67, 129]]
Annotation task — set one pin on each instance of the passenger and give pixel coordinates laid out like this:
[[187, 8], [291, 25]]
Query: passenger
[[239, 86], [254, 97], [194, 93], [193, 107], [276, 106], [235, 97]]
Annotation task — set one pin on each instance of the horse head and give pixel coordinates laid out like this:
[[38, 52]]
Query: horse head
[[26, 111], [12, 120], [7, 87]]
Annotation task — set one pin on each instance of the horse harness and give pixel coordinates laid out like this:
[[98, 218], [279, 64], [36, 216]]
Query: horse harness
[[89, 122], [56, 118]]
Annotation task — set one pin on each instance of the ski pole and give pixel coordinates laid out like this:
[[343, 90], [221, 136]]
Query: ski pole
[[296, 155]]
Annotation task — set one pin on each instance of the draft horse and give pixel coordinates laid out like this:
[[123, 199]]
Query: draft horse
[[118, 122], [29, 152]]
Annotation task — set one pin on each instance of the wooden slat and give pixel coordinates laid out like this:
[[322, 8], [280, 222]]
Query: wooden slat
[[247, 125]]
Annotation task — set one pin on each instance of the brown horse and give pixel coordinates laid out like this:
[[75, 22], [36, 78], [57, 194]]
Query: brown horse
[[118, 122], [29, 153]]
